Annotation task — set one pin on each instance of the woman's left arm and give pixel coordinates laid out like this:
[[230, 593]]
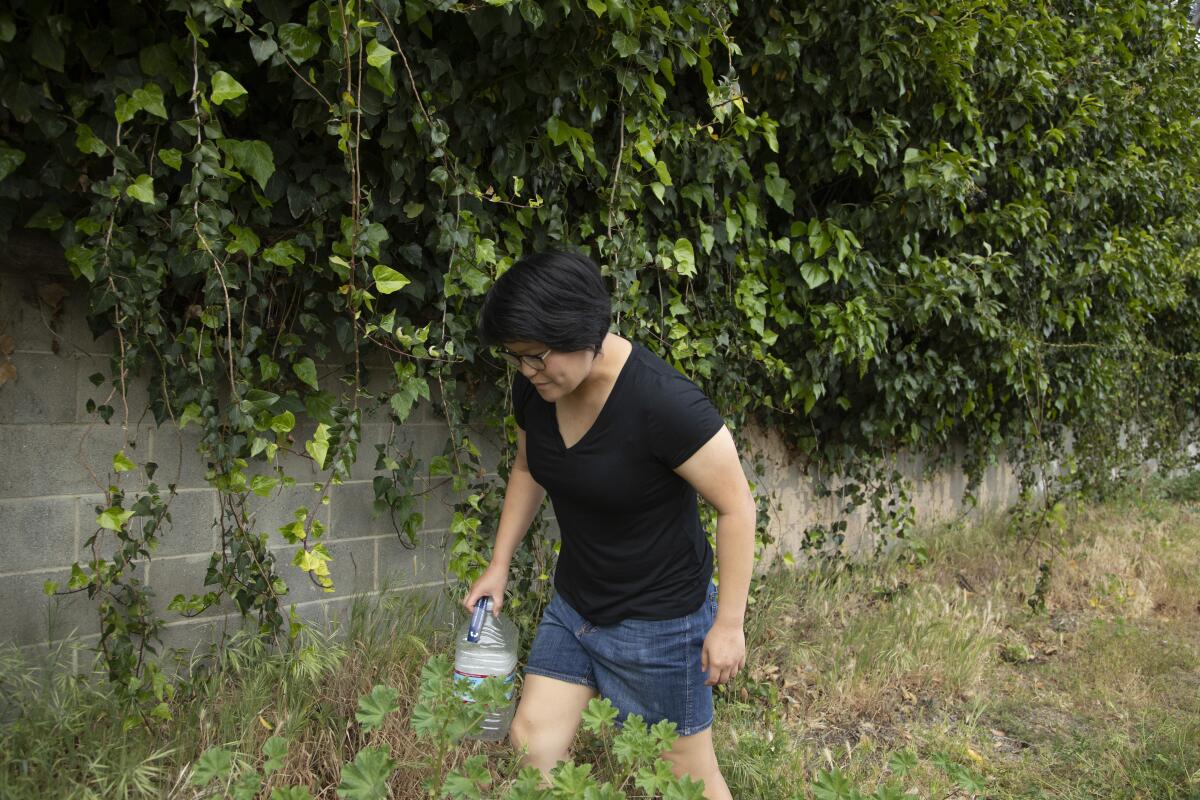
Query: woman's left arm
[[716, 473]]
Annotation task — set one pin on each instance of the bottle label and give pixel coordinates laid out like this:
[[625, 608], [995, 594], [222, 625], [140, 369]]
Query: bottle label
[[465, 683]]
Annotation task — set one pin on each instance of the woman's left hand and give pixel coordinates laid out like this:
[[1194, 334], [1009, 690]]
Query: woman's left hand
[[724, 652]]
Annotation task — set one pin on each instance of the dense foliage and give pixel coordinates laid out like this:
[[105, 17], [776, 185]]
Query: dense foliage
[[872, 226]]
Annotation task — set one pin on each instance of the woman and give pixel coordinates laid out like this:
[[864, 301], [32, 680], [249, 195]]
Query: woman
[[622, 443]]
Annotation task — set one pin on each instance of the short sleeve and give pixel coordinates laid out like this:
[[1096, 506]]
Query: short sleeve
[[682, 420], [522, 391]]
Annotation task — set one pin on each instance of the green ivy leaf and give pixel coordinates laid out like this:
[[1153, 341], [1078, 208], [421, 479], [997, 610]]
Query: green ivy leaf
[[142, 189], [298, 42], [225, 87], [121, 463], [150, 99], [244, 241], [306, 371], [191, 413], [378, 56], [318, 446], [10, 159], [685, 257], [171, 157], [45, 49], [252, 156], [366, 777], [625, 44], [86, 141], [283, 254], [8, 29], [814, 274], [283, 423], [263, 485], [373, 708], [388, 280], [114, 518]]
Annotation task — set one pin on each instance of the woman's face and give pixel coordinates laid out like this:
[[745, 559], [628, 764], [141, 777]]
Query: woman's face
[[564, 371]]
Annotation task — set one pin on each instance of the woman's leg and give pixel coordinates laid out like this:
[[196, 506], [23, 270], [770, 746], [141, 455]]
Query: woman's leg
[[694, 756], [547, 720]]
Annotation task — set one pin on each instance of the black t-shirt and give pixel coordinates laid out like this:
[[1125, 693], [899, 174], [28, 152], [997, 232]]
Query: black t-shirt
[[632, 543]]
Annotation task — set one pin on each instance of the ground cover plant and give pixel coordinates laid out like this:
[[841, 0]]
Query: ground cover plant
[[944, 227], [930, 674]]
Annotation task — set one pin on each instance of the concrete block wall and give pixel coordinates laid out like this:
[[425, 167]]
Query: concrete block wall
[[55, 457]]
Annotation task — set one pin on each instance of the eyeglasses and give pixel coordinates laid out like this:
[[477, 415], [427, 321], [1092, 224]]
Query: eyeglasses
[[537, 362]]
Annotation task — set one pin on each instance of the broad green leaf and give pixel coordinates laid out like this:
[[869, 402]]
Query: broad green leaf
[[275, 749], [366, 777], [291, 793], [246, 786], [44, 48], [685, 257], [373, 708], [283, 423], [378, 55], [263, 485], [150, 99], [252, 156], [171, 157], [86, 141], [225, 87], [283, 254], [388, 280], [298, 42], [318, 446], [8, 29], [244, 241], [624, 44], [121, 463], [214, 764], [191, 413], [142, 190], [114, 519], [10, 159], [814, 274], [306, 371]]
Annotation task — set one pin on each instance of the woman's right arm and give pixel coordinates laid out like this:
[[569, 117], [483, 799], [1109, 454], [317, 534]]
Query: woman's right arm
[[522, 498]]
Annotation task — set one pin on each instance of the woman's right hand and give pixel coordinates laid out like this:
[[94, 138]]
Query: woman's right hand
[[491, 584]]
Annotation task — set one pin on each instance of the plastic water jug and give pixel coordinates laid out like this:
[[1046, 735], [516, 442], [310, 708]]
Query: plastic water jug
[[487, 647]]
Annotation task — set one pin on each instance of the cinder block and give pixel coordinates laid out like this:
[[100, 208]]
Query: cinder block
[[353, 513], [26, 318], [192, 525], [42, 392], [137, 396], [37, 533], [327, 615], [439, 505], [179, 461], [37, 618], [54, 459], [270, 513], [174, 576], [352, 570], [400, 567], [426, 441]]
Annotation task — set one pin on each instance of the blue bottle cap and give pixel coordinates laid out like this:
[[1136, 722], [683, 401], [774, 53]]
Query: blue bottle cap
[[482, 606]]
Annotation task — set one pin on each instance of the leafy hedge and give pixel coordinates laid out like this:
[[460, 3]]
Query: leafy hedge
[[870, 225]]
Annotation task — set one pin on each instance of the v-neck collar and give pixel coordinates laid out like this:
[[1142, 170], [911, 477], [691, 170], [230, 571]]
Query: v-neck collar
[[603, 409]]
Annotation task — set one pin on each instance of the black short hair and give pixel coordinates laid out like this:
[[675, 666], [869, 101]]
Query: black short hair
[[558, 299]]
